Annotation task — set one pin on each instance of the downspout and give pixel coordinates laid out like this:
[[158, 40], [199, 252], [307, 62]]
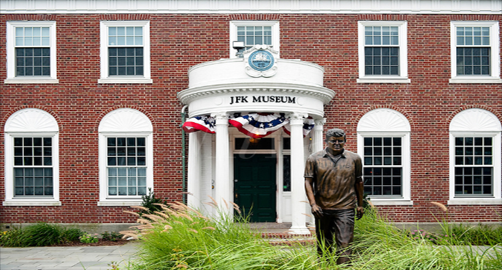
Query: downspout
[[183, 153]]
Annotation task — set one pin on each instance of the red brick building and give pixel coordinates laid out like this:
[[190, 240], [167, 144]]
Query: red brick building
[[94, 94]]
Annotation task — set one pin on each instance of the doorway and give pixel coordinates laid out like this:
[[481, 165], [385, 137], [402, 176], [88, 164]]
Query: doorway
[[255, 186]]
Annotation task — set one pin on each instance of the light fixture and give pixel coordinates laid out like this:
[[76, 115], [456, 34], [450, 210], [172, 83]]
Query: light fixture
[[239, 46]]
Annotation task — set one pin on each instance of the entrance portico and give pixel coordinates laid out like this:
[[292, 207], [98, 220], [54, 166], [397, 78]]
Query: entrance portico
[[218, 90]]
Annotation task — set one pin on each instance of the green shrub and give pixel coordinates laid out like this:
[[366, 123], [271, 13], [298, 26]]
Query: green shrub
[[89, 238], [151, 203], [71, 235], [113, 236], [11, 238], [41, 234]]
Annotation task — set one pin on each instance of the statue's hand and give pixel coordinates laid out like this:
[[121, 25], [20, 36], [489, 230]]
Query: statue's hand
[[360, 212], [316, 210]]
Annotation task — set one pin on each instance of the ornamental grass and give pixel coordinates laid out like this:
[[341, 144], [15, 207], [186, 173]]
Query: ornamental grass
[[179, 237]]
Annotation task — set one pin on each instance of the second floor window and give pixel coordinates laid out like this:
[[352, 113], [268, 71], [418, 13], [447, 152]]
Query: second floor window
[[475, 52], [31, 52], [383, 52], [254, 33], [125, 52]]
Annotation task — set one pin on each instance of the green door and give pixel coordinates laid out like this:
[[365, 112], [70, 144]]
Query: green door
[[254, 186]]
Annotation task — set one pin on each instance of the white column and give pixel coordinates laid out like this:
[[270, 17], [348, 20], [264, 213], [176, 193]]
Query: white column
[[298, 196], [318, 145], [318, 136], [194, 167], [222, 171]]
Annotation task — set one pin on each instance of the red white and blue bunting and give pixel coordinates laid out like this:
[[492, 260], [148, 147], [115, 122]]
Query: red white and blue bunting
[[308, 125], [255, 125], [202, 122]]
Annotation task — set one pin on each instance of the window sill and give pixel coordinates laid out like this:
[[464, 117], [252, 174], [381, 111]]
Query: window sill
[[475, 80], [384, 80], [390, 201], [125, 80], [30, 80], [120, 202], [475, 201], [25, 202]]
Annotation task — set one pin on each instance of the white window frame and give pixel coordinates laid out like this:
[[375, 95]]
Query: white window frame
[[105, 78], [495, 53], [30, 123], [275, 33], [388, 123], [481, 124], [403, 53], [123, 123], [11, 53]]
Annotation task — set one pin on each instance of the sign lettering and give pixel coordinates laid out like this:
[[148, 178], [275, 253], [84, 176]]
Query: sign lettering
[[262, 99]]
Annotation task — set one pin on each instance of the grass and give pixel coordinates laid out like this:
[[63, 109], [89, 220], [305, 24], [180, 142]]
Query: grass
[[178, 237]]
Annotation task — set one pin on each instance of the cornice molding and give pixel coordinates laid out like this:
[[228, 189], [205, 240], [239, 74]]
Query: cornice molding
[[321, 93], [253, 6]]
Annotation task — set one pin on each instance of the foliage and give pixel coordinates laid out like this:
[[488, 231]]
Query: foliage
[[151, 203], [71, 234], [113, 236], [39, 234], [181, 237], [89, 238], [481, 235], [11, 238]]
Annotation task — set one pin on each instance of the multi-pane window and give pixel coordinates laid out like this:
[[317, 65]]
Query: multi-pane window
[[473, 51], [383, 166], [381, 51], [473, 166], [254, 35], [126, 166], [33, 166], [33, 54], [125, 51]]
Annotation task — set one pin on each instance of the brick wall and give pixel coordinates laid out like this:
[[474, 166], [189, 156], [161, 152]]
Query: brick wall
[[180, 41]]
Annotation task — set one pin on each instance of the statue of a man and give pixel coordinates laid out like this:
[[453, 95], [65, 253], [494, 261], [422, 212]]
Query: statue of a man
[[334, 187]]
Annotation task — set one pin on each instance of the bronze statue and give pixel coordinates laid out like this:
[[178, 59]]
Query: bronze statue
[[334, 187]]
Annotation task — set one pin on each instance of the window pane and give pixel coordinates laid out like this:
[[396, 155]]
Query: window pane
[[129, 171], [254, 35], [474, 180]]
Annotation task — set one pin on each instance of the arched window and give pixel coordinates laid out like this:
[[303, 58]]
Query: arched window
[[125, 157], [383, 139], [475, 163], [31, 159]]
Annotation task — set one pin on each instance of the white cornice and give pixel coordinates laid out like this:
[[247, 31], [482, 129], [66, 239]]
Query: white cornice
[[320, 93], [253, 6]]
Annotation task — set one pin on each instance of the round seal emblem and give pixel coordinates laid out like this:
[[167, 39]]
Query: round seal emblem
[[261, 60]]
